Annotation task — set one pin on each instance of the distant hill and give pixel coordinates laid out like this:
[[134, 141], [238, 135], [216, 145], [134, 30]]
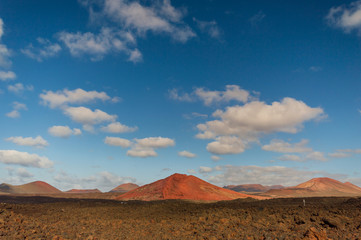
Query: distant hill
[[252, 187], [317, 187], [84, 191], [181, 186], [126, 187], [37, 187]]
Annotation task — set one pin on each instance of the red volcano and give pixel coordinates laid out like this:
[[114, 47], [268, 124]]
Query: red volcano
[[126, 187], [37, 187], [84, 191], [181, 186], [325, 187]]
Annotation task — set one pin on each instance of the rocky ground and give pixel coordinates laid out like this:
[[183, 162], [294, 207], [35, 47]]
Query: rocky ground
[[50, 218]]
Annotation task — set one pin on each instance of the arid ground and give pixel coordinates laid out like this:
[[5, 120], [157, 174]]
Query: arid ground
[[35, 217]]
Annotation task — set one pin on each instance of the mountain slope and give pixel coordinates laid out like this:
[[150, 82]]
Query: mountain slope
[[37, 187], [325, 187], [181, 186]]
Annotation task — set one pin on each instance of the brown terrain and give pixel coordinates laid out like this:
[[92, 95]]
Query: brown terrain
[[317, 187], [198, 210], [84, 191], [181, 186], [126, 187], [252, 188]]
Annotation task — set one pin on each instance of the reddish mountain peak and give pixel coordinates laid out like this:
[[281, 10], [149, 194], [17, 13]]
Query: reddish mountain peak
[[37, 187], [182, 186]]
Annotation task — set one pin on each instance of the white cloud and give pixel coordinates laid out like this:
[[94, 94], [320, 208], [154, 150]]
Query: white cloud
[[117, 127], [13, 114], [155, 142], [38, 141], [63, 131], [285, 147], [244, 124], [205, 169], [18, 88], [173, 94], [226, 145], [232, 92], [116, 141], [142, 152], [64, 97], [257, 117], [46, 49], [187, 154], [24, 159], [191, 171], [289, 157], [135, 56], [87, 117], [23, 173], [16, 110], [318, 156], [9, 75], [144, 147], [160, 17], [4, 51], [339, 155], [209, 27], [270, 175], [1, 28], [105, 181], [98, 45], [346, 17]]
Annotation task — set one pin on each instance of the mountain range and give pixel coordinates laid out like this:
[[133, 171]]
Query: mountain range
[[181, 186]]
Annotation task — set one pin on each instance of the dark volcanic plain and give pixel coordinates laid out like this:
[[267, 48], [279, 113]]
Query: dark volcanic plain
[[34, 217]]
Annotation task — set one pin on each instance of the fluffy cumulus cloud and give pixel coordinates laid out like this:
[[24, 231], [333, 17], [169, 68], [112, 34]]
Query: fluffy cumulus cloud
[[291, 157], [346, 17], [143, 148], [271, 175], [209, 97], [117, 127], [159, 17], [7, 75], [285, 147], [65, 97], [226, 145], [104, 181], [45, 49], [38, 141], [24, 159], [116, 141], [155, 142], [187, 154], [87, 117], [63, 131], [250, 121]]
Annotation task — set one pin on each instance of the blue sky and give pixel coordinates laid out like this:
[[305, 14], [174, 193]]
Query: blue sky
[[95, 93]]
